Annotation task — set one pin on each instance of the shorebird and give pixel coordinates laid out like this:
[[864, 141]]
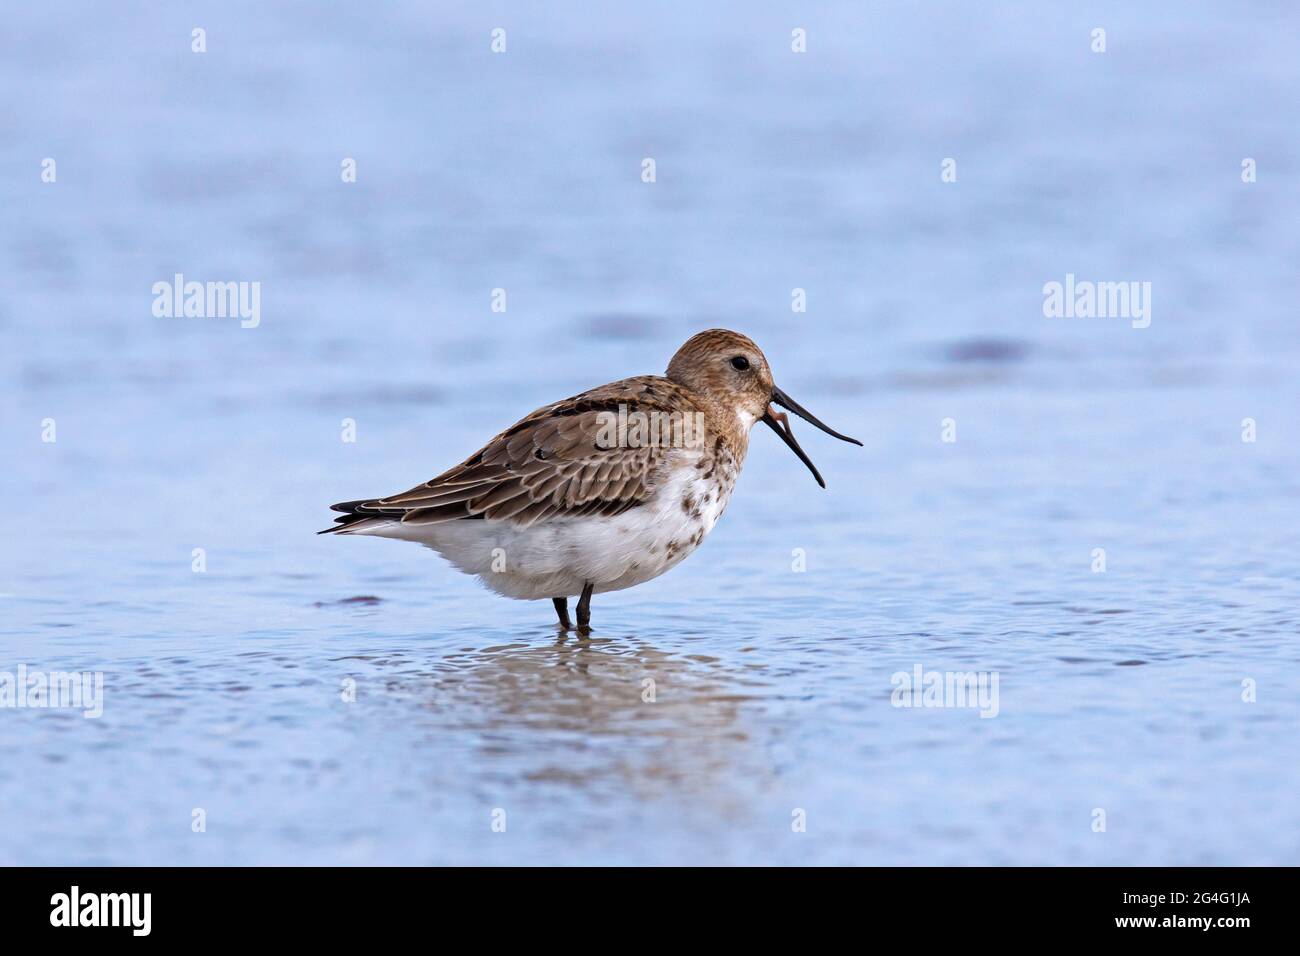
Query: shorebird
[[601, 491]]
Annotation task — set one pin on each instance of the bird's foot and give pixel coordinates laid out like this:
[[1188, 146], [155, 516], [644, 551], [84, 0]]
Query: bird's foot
[[584, 609], [562, 612]]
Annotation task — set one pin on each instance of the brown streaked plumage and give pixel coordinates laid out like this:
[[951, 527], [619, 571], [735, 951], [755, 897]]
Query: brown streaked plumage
[[547, 464], [586, 507]]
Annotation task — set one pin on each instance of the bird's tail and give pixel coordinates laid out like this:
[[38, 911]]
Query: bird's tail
[[358, 517]]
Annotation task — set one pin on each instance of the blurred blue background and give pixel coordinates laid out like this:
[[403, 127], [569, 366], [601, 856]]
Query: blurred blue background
[[775, 170]]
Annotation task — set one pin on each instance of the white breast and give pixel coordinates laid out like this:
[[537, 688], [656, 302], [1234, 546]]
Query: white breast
[[556, 557]]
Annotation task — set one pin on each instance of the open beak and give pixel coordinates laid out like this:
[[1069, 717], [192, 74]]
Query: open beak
[[779, 422]]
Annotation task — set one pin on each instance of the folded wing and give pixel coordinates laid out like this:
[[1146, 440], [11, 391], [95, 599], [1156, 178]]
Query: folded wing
[[566, 459]]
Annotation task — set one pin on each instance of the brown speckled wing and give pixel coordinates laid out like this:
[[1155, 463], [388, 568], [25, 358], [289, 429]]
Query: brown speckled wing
[[551, 463]]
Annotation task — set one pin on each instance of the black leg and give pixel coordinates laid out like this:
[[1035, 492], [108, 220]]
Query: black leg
[[584, 607], [562, 610]]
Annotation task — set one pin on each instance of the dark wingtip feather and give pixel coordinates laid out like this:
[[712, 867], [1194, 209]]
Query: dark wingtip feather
[[353, 512]]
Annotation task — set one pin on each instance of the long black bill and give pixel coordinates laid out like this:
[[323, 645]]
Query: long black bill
[[780, 424]]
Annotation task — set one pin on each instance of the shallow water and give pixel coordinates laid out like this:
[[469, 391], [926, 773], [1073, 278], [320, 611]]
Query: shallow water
[[1120, 690]]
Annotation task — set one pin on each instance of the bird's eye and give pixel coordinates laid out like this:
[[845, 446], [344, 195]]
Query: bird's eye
[[740, 363]]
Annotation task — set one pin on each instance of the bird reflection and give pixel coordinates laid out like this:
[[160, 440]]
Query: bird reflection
[[587, 710]]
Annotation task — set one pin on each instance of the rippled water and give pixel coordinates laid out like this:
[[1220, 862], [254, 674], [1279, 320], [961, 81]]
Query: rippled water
[[1119, 691]]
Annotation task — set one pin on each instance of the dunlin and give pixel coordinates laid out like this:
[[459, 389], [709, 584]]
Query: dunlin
[[601, 491]]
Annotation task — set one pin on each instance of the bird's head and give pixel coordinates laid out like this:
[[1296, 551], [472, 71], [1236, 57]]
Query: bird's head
[[732, 371]]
